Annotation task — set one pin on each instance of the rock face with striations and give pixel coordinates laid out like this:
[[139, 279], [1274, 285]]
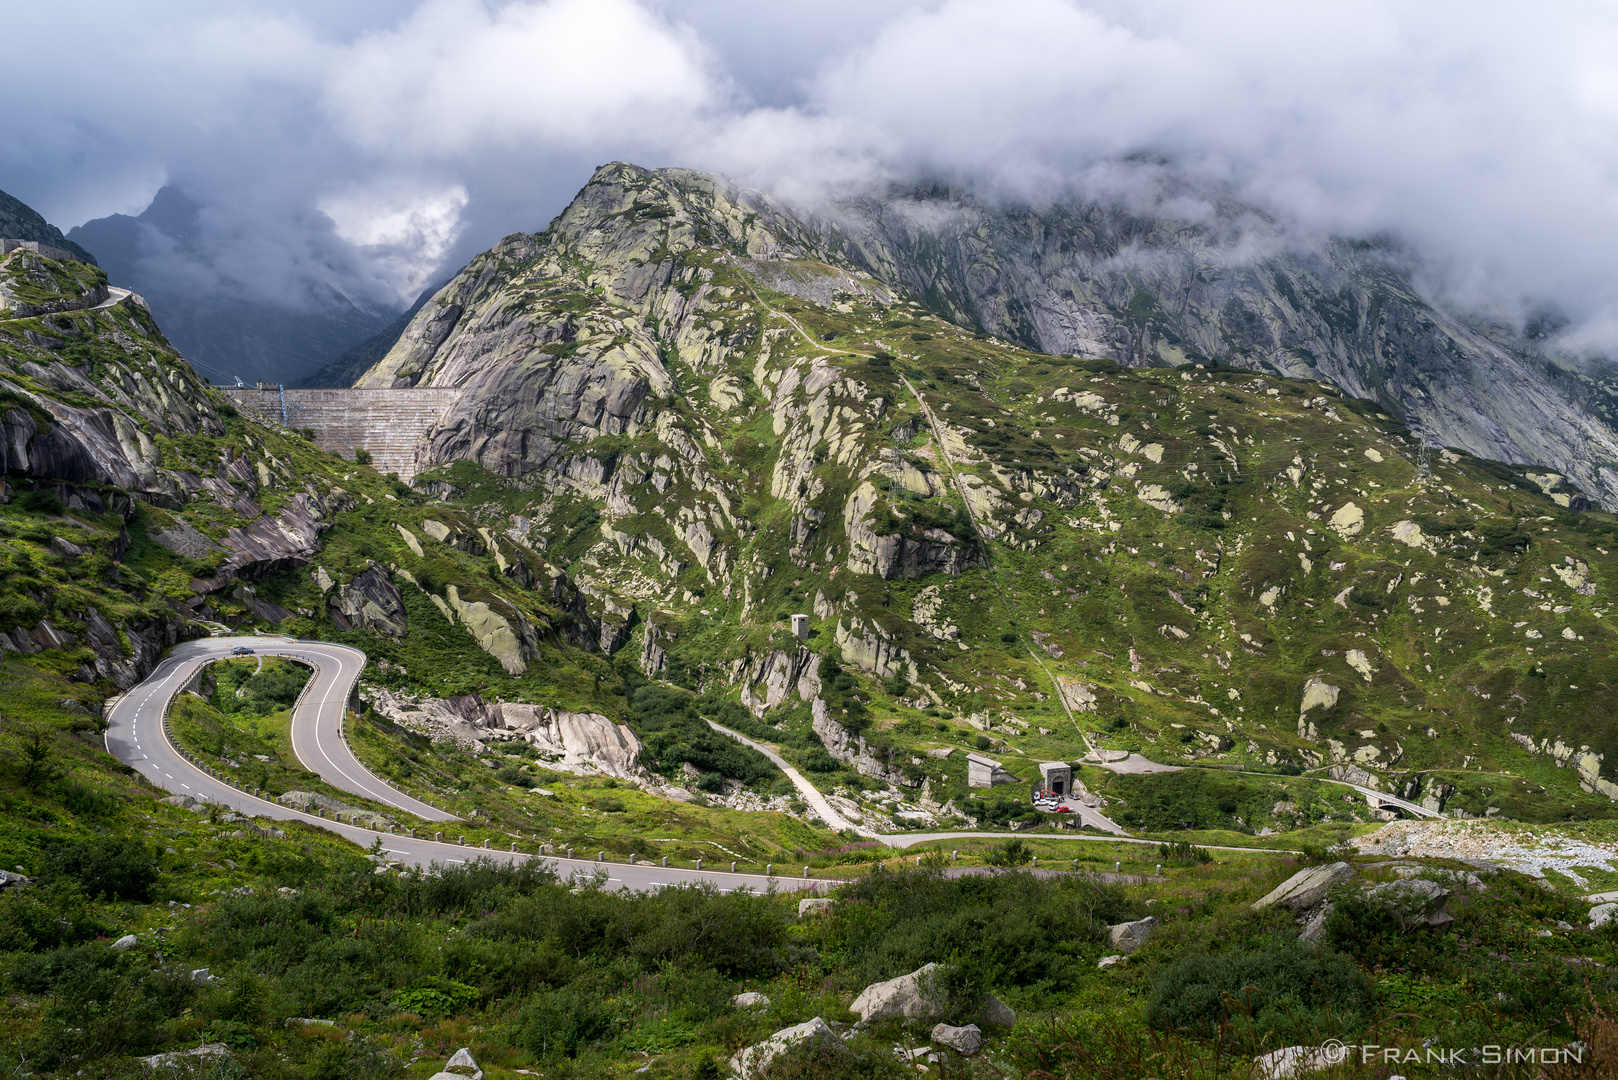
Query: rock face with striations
[[587, 743], [1308, 888], [1075, 277], [1150, 287], [718, 413], [373, 601]]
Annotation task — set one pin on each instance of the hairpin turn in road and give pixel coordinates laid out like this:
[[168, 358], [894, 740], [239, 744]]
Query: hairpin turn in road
[[136, 736]]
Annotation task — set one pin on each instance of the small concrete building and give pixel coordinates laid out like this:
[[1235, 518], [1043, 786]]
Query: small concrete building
[[800, 627], [985, 772], [1056, 776]]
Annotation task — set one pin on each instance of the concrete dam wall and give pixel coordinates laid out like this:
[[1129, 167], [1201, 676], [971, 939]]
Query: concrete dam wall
[[391, 424]]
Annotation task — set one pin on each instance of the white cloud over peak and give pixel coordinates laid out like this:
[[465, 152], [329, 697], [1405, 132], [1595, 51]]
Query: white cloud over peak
[[459, 76], [1482, 135]]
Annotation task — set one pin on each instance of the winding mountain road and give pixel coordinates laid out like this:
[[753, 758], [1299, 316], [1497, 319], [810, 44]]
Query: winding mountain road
[[135, 732], [136, 736]]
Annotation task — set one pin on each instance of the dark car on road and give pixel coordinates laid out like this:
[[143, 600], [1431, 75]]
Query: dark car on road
[[241, 650]]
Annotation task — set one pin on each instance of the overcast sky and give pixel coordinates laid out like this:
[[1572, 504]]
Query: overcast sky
[[413, 134]]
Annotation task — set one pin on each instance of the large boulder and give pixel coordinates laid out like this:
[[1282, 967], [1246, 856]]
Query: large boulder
[[996, 1013], [751, 1000], [1307, 889], [815, 905], [815, 1034], [1128, 936], [916, 996], [1413, 903], [908, 997], [1602, 914]]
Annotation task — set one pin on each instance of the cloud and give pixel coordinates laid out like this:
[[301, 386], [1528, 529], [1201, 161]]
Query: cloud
[[403, 230], [379, 145], [460, 77]]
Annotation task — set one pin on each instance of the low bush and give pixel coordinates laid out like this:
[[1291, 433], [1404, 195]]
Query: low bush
[[243, 688], [675, 734], [1284, 989], [994, 931], [40, 501], [112, 867]]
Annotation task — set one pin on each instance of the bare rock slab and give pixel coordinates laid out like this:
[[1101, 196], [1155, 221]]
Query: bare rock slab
[[1413, 903], [1294, 1061], [915, 997], [908, 997], [1128, 936], [966, 1040], [815, 1034], [1307, 889]]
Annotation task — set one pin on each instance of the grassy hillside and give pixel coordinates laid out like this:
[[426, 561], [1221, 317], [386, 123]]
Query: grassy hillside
[[1257, 578], [1219, 568]]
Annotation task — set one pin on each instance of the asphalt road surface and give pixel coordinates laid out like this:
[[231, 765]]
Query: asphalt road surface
[[135, 736]]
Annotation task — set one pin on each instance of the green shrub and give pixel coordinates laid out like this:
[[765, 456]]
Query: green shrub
[[992, 931], [1013, 852], [362, 456], [40, 501], [436, 997], [241, 688], [514, 776], [102, 1003], [114, 867], [675, 734], [1282, 990], [1193, 799], [1186, 854], [46, 916], [819, 761]]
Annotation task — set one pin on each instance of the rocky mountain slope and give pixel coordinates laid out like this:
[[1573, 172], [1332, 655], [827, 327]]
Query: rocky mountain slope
[[138, 508], [1201, 278], [712, 432], [138, 493]]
